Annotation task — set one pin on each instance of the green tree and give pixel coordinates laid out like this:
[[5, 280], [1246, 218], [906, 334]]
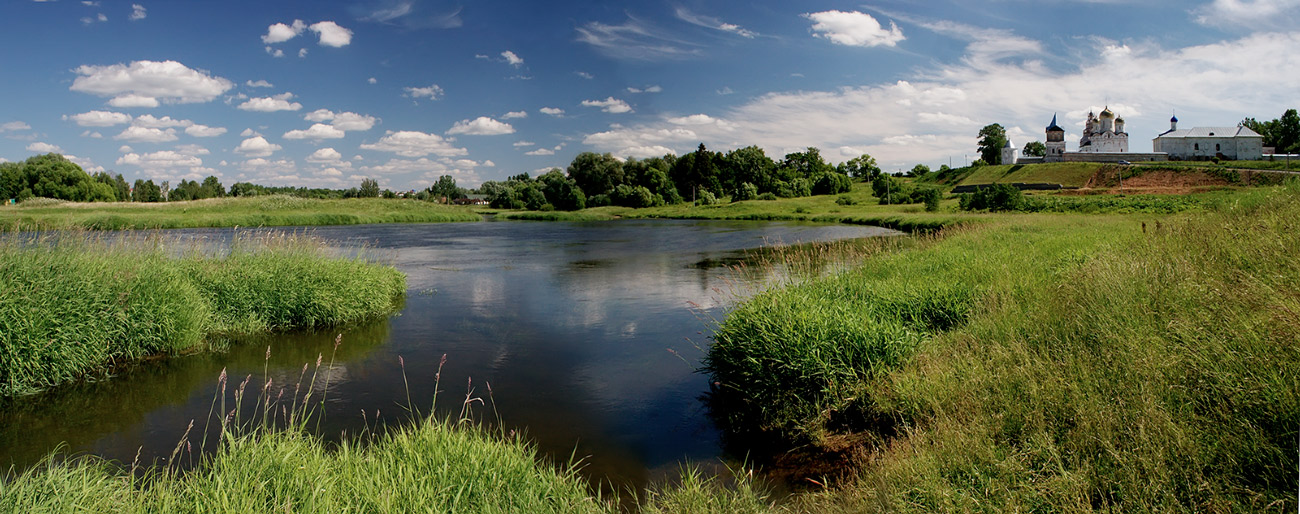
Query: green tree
[[561, 191], [918, 171], [831, 183], [747, 165], [369, 188], [596, 173], [696, 171], [862, 167], [212, 188], [808, 163], [146, 191], [445, 187], [1288, 132], [1034, 149], [992, 138]]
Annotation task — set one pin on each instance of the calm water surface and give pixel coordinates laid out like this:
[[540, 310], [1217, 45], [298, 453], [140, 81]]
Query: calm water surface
[[588, 334]]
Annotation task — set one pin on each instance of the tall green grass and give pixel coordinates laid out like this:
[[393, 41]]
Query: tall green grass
[[434, 465], [73, 305], [259, 211], [1105, 363]]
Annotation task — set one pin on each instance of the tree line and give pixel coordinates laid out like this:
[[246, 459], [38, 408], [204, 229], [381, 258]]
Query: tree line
[[702, 177]]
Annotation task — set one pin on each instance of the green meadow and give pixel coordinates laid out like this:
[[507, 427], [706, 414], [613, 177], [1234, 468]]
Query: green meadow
[[256, 211]]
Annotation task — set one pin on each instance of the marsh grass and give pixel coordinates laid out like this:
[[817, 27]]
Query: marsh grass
[[259, 211], [72, 305]]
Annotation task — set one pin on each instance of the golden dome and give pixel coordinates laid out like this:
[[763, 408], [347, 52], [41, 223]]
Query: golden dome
[[1107, 113]]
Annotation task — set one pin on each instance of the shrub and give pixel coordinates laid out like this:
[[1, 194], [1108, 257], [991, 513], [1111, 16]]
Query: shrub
[[745, 191], [706, 198], [767, 196], [832, 183], [995, 197], [845, 200], [930, 197]]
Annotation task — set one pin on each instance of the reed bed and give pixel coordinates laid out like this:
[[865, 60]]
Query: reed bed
[[73, 305]]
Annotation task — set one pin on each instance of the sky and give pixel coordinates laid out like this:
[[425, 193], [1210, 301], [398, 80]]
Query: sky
[[324, 93]]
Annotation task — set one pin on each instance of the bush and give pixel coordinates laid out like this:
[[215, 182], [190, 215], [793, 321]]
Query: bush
[[601, 200], [745, 191], [845, 200], [706, 198], [832, 183], [930, 197], [767, 196], [995, 197], [634, 196]]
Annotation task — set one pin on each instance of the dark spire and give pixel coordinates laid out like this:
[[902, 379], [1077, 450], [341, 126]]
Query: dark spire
[[1053, 127]]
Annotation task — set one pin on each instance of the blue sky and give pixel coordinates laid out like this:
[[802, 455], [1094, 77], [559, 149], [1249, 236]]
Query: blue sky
[[322, 93]]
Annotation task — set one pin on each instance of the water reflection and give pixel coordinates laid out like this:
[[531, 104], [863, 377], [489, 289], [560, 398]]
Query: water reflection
[[584, 335]]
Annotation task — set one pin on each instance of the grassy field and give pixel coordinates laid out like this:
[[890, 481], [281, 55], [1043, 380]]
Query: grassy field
[[1068, 174], [72, 304], [1140, 363], [259, 211]]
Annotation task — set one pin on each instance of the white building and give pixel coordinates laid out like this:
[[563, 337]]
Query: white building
[[1104, 134], [1204, 143]]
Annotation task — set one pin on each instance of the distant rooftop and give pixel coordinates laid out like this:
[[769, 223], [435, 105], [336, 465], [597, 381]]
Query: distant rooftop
[[1212, 132]]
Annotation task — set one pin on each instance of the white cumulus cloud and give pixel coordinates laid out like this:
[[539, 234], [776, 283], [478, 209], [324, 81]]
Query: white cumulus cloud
[[197, 130], [258, 83], [257, 146], [147, 83], [327, 156], [161, 160], [481, 126], [853, 28], [317, 131], [280, 102], [43, 147], [610, 105], [280, 32], [99, 118], [331, 34], [138, 12], [139, 134], [553, 111], [408, 143], [514, 114]]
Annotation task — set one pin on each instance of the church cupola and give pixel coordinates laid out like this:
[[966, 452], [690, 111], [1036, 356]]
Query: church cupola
[[1107, 118], [1119, 125], [1173, 123]]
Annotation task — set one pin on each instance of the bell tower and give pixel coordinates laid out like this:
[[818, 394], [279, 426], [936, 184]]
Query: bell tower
[[1055, 143]]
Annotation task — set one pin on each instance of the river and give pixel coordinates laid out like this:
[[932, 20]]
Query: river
[[585, 336]]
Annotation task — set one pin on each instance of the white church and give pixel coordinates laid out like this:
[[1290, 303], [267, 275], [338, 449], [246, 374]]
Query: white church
[[1204, 143], [1104, 140]]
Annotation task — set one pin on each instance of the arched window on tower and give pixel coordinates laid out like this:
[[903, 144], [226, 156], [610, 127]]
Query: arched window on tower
[[1216, 148], [1196, 146]]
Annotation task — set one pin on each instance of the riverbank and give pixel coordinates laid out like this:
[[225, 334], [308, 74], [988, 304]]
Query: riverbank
[[256, 211], [74, 305], [1038, 362]]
